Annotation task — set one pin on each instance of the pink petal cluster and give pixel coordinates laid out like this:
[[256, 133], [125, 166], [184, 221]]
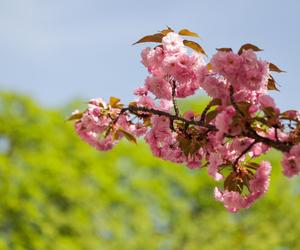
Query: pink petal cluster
[[259, 184], [291, 161], [215, 160], [247, 74], [164, 144], [171, 64], [103, 131], [223, 121]]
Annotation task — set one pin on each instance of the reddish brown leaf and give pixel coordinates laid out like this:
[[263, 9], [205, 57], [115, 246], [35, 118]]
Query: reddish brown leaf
[[275, 68], [290, 115], [244, 107], [195, 46], [186, 32], [215, 102], [233, 183], [272, 84], [113, 101], [166, 31], [224, 49], [209, 66], [248, 46], [210, 116], [156, 38]]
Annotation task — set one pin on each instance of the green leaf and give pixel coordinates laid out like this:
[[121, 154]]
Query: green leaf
[[156, 38], [186, 32], [248, 46], [195, 46]]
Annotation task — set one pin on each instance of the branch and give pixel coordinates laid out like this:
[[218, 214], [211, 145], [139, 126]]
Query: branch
[[281, 146], [173, 83]]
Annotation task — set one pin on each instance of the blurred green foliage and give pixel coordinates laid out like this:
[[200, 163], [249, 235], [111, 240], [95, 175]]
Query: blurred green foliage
[[57, 193]]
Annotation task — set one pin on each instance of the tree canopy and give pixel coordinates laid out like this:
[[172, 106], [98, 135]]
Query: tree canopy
[[59, 193]]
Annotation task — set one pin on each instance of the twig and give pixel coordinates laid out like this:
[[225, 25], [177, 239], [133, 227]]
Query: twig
[[231, 90], [243, 153], [173, 83]]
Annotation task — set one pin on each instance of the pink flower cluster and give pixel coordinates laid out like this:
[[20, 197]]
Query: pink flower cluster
[[245, 73], [259, 184], [291, 162], [242, 121], [102, 127], [170, 64]]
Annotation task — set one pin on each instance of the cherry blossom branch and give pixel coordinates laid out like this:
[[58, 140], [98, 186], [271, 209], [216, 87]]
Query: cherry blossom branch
[[218, 133], [281, 146], [168, 115]]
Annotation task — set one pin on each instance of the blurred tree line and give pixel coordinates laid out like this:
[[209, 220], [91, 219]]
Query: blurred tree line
[[57, 193]]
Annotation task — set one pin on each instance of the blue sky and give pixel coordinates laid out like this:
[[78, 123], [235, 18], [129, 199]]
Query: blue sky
[[55, 50]]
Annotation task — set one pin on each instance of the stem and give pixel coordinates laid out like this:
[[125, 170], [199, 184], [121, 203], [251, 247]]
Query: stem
[[243, 153], [203, 115], [233, 102], [173, 83]]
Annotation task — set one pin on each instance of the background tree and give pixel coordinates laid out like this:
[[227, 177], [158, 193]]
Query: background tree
[[59, 193]]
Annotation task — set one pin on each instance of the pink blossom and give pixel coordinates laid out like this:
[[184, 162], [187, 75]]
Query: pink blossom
[[165, 105], [93, 138], [261, 181], [226, 64], [254, 73], [189, 115], [233, 201], [146, 101], [159, 87], [291, 161], [259, 149], [293, 114], [140, 91], [214, 87], [267, 101], [172, 43], [152, 59], [215, 160], [281, 135], [224, 119]]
